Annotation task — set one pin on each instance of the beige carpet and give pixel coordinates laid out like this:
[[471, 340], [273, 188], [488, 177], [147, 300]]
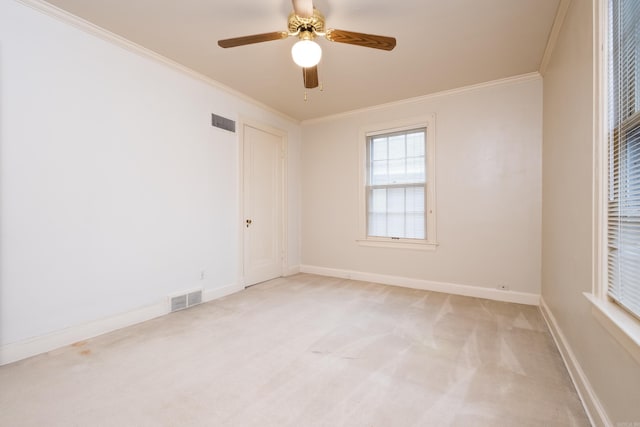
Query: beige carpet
[[306, 351]]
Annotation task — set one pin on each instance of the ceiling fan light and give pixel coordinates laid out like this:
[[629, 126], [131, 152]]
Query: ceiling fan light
[[306, 53]]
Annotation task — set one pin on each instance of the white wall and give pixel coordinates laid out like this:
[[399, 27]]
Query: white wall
[[115, 189], [607, 375], [488, 189]]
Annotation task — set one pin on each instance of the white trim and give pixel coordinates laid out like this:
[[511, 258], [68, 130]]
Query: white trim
[[214, 294], [31, 347], [291, 271], [624, 328], [90, 28], [284, 203], [587, 394], [185, 292], [427, 285], [558, 22], [402, 244], [600, 151], [241, 218], [506, 81], [427, 121]]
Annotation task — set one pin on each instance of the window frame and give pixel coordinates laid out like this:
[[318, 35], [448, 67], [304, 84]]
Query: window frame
[[615, 319], [429, 243]]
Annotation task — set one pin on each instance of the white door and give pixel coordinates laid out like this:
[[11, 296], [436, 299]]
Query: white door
[[262, 189]]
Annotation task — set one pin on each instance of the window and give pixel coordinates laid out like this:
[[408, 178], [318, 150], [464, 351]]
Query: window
[[617, 229], [623, 186], [397, 188]]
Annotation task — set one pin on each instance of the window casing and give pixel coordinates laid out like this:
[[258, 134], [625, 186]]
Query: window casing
[[397, 188], [623, 155], [615, 133]]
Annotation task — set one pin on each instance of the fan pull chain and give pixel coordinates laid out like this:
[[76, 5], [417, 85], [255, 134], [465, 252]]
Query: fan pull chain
[[306, 94]]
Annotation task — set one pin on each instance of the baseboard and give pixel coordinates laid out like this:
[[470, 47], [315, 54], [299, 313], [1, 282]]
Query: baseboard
[[290, 271], [590, 401], [212, 294], [31, 347], [427, 285]]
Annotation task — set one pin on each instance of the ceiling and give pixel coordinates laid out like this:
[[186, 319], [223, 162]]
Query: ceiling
[[441, 45]]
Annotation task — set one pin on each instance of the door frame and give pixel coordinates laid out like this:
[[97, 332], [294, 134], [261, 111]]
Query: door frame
[[284, 194]]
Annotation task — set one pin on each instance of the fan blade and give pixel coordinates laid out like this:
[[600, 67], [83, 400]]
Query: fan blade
[[310, 77], [256, 38], [303, 8], [361, 39]]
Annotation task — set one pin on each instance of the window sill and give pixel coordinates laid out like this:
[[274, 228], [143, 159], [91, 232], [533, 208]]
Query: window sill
[[623, 326], [384, 243]]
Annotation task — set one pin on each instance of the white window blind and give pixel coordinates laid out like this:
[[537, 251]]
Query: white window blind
[[396, 184], [623, 218]]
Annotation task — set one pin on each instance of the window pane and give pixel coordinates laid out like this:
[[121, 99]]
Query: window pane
[[379, 150], [378, 200], [415, 226], [415, 144], [397, 171], [416, 169], [379, 172], [395, 225], [415, 218], [415, 200], [395, 209], [377, 223], [395, 200], [397, 147]]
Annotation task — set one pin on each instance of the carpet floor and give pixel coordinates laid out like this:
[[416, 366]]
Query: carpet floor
[[306, 351]]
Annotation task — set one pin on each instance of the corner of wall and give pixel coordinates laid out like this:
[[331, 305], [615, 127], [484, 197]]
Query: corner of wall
[[561, 13], [590, 401]]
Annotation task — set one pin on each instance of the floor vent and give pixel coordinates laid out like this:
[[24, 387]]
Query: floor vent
[[180, 302], [194, 298]]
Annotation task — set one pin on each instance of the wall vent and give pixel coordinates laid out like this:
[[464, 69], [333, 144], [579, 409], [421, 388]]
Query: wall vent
[[223, 123], [180, 302]]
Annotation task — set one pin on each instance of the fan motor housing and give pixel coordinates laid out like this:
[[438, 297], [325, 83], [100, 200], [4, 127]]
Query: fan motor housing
[[313, 23]]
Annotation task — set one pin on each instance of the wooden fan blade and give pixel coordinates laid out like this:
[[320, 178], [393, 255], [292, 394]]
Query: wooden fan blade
[[361, 39], [256, 38], [310, 77], [303, 8]]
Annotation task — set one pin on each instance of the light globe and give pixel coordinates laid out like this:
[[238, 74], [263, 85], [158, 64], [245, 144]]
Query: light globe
[[306, 53]]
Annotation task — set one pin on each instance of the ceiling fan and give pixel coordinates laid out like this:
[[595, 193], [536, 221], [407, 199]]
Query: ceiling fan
[[307, 23]]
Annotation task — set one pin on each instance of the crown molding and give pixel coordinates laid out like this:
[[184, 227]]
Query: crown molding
[[558, 22], [95, 30], [505, 81]]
